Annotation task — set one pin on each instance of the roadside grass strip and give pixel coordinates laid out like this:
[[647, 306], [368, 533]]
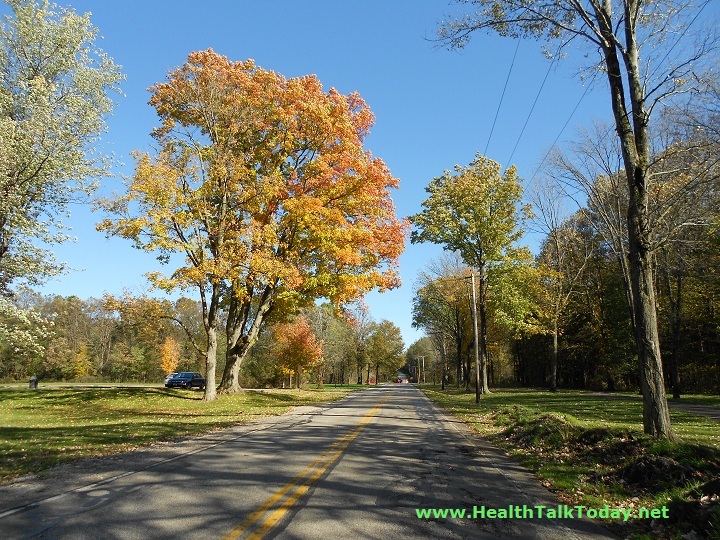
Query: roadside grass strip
[[51, 425], [284, 499], [590, 450]]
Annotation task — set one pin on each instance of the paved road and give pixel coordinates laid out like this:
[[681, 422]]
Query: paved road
[[358, 468], [708, 411]]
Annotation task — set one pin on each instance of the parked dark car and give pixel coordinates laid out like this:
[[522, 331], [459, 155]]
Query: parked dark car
[[186, 379]]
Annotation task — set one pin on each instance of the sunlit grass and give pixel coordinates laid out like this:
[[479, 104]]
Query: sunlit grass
[[41, 428]]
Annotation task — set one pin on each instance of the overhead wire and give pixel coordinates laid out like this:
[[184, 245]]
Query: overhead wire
[[682, 34], [502, 97], [565, 125], [537, 96]]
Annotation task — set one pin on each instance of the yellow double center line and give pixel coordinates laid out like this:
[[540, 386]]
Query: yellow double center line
[[298, 486]]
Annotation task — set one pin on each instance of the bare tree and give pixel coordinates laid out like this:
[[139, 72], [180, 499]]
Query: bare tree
[[564, 256], [591, 170]]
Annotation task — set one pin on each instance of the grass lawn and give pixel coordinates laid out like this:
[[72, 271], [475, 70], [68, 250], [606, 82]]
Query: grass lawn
[[44, 427], [590, 450]]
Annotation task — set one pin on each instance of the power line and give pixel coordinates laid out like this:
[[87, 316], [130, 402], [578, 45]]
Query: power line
[[682, 34], [537, 96], [587, 88], [497, 112]]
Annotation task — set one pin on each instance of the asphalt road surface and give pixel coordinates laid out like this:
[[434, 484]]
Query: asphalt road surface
[[359, 468]]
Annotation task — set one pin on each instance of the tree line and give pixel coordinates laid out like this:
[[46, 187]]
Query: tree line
[[143, 339], [567, 317]]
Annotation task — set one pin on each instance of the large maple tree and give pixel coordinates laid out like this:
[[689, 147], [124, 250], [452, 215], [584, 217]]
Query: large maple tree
[[263, 183]]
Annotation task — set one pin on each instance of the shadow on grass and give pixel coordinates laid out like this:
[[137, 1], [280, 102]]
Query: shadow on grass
[[80, 396], [581, 406], [44, 427], [32, 449]]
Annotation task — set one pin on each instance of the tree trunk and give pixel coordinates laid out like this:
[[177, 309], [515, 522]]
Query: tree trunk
[[628, 289], [553, 358], [234, 358], [458, 351], [210, 364], [636, 154], [656, 415], [321, 378], [240, 339], [444, 364]]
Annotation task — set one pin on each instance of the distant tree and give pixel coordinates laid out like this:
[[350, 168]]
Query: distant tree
[[385, 349], [423, 347], [296, 347], [101, 334], [361, 326], [563, 257], [476, 211], [263, 183], [334, 331], [170, 355], [339, 346], [67, 357], [441, 304]]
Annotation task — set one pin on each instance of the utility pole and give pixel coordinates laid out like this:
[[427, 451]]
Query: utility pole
[[442, 359], [475, 328]]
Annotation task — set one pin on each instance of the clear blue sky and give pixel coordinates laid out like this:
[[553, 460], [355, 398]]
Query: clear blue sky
[[434, 108]]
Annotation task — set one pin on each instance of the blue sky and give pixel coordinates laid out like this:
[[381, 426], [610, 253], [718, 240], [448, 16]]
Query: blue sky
[[434, 108]]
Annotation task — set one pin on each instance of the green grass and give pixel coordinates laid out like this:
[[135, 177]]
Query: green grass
[[41, 428], [590, 449]]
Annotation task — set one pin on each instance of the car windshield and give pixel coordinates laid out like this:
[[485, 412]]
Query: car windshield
[[187, 375]]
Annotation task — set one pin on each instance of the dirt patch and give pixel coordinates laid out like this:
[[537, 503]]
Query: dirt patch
[[655, 473]]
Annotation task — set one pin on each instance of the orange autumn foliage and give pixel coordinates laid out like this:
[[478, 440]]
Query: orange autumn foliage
[[169, 355], [263, 183], [296, 346]]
